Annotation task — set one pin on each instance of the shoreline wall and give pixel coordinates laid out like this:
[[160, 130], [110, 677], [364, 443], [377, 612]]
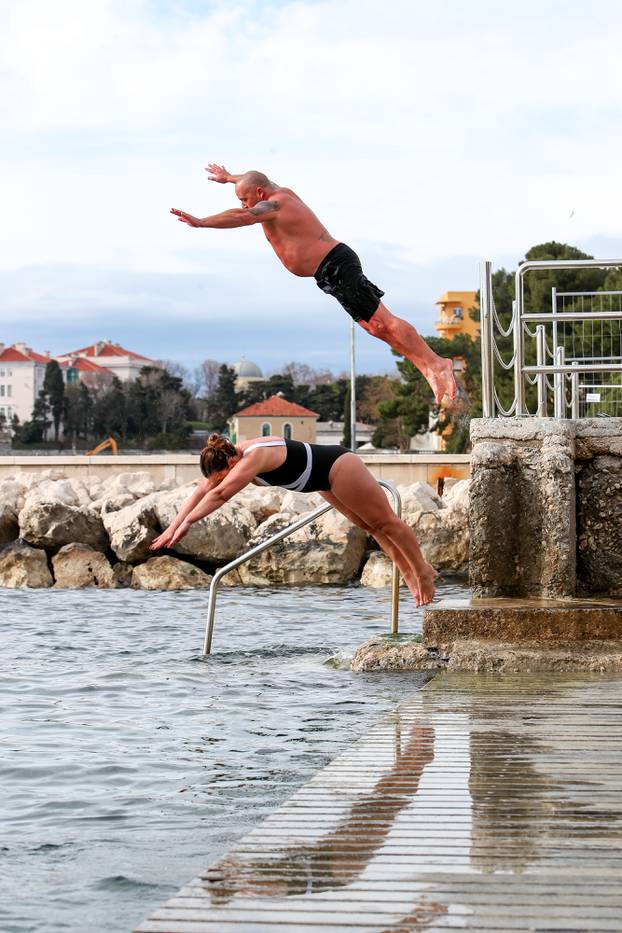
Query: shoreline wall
[[402, 469]]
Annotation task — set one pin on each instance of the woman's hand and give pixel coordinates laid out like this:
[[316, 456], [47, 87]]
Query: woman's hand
[[180, 532], [162, 540]]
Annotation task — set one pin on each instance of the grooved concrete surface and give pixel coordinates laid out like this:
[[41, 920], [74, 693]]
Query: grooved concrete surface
[[486, 803]]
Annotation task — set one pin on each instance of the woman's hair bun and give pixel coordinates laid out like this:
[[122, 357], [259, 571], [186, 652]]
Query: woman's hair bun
[[215, 455]]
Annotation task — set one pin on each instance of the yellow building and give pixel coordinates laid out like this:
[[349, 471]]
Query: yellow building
[[275, 416], [454, 317]]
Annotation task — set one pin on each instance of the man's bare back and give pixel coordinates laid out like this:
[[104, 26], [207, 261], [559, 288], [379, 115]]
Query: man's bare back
[[303, 244]]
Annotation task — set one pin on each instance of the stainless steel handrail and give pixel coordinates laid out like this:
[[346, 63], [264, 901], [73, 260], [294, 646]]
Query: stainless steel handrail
[[561, 369], [285, 533], [521, 317]]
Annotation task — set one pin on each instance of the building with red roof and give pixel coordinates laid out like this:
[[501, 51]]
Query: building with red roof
[[21, 378], [110, 357], [22, 371], [274, 415]]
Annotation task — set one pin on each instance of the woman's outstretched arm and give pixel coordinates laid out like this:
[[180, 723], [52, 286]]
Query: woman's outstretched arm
[[238, 477]]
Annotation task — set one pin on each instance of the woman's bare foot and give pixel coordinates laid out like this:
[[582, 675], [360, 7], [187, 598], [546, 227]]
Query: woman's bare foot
[[441, 379], [421, 584]]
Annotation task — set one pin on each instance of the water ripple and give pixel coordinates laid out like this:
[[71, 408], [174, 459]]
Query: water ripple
[[129, 762]]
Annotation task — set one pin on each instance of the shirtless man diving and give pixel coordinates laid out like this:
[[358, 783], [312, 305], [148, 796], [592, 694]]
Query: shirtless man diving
[[306, 248]]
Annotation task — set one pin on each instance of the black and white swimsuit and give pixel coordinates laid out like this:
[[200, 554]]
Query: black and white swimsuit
[[306, 467]]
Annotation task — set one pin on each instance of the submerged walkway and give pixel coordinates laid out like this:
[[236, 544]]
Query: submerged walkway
[[484, 803]]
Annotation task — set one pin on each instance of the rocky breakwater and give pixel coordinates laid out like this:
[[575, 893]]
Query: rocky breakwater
[[72, 534]]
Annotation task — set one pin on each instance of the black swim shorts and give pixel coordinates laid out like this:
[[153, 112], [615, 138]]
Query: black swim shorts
[[340, 274]]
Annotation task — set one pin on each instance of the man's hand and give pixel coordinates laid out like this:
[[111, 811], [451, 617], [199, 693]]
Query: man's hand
[[218, 173], [186, 218]]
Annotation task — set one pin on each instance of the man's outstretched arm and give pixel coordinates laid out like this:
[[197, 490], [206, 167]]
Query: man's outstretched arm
[[220, 174], [236, 217]]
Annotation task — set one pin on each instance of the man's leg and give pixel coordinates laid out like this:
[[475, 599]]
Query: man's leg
[[402, 337]]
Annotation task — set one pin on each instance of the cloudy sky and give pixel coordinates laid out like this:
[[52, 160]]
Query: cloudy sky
[[426, 135]]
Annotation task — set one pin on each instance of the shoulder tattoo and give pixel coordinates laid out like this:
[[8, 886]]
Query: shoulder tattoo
[[264, 207]]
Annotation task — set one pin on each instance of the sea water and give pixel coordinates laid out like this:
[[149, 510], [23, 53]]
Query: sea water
[[129, 762]]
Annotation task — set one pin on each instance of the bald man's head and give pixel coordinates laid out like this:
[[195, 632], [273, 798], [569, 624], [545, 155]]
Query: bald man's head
[[253, 187]]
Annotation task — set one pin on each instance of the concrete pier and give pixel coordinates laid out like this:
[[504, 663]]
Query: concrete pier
[[483, 803], [545, 512]]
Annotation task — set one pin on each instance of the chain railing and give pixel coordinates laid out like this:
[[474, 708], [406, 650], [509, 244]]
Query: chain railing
[[577, 347]]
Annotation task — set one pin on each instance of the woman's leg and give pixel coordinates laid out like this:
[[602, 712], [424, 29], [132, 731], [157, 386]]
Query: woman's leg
[[357, 494], [396, 555]]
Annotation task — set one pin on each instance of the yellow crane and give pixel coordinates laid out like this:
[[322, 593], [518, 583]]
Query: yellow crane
[[109, 442]]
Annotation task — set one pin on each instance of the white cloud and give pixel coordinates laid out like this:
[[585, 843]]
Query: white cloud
[[417, 132]]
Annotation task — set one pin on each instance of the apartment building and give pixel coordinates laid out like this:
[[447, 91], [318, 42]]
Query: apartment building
[[21, 378]]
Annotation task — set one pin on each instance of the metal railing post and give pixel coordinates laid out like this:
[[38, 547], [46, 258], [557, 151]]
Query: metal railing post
[[279, 536], [486, 336], [352, 386], [574, 395], [541, 378], [518, 309], [558, 382]]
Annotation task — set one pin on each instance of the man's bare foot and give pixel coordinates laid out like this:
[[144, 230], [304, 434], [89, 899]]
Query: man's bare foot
[[421, 584], [441, 379]]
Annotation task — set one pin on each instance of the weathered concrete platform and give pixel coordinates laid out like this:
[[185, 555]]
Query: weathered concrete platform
[[505, 635], [484, 803], [523, 621]]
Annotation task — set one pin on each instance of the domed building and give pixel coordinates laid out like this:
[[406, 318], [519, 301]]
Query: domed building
[[246, 372]]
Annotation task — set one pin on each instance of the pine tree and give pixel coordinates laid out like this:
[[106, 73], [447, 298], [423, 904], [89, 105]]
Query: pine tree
[[54, 389]]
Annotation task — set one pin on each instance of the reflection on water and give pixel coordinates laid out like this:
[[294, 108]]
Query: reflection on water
[[340, 856], [474, 779], [128, 764], [523, 778]]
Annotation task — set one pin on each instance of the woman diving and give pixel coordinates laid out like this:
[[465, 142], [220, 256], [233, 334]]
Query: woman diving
[[337, 473]]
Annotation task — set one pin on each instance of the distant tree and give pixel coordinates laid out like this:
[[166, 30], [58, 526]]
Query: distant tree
[[378, 389], [328, 400], [304, 375], [224, 401], [86, 405], [72, 415], [54, 390], [408, 412], [110, 412], [40, 419], [206, 378]]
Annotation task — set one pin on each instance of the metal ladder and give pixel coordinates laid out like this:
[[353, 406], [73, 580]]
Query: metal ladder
[[285, 533]]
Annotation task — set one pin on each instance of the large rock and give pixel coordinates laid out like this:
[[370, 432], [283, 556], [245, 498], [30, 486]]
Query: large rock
[[132, 529], [9, 526], [457, 496], [54, 524], [444, 538], [417, 497], [23, 566], [261, 501], [65, 491], [378, 571], [219, 538], [298, 503], [329, 550], [599, 525], [122, 573], [121, 490], [12, 493], [406, 652], [168, 573], [77, 565]]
